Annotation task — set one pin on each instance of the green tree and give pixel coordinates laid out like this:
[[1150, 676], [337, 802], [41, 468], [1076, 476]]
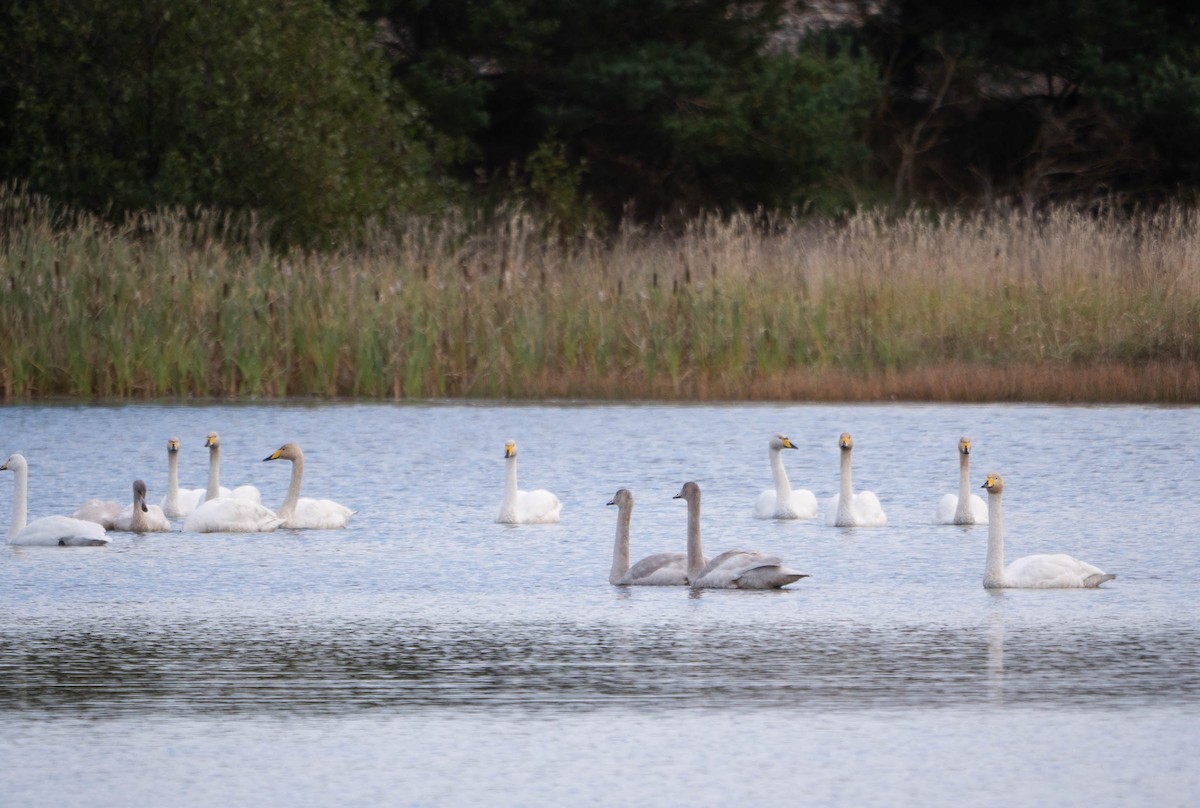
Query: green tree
[[671, 105], [283, 109]]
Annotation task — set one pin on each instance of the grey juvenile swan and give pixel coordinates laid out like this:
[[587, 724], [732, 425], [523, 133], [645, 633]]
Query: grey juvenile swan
[[733, 569], [660, 569]]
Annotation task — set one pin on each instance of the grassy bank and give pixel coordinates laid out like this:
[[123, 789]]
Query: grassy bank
[[1059, 307]]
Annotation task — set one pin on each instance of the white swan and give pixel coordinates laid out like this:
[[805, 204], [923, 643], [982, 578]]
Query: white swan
[[178, 501], [140, 517], [781, 502], [300, 513], [215, 489], [1058, 571], [965, 508], [733, 569], [524, 507], [660, 569], [848, 509], [49, 531]]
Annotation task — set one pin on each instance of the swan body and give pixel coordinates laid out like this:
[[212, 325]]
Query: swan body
[[850, 509], [781, 502], [660, 569], [525, 507], [100, 511], [964, 508], [734, 569], [231, 515], [215, 490], [300, 513], [179, 501], [140, 517], [49, 531], [1056, 571]]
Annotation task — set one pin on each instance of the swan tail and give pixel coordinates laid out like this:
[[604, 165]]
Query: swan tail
[[1094, 580], [83, 541]]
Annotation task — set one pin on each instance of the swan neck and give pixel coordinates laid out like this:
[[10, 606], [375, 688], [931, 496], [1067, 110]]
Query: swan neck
[[845, 510], [963, 511], [510, 480], [20, 500], [620, 564], [783, 486], [214, 473], [993, 573], [138, 522], [288, 509], [695, 553], [172, 476]]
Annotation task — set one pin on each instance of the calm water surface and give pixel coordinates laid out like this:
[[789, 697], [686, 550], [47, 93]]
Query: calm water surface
[[429, 656]]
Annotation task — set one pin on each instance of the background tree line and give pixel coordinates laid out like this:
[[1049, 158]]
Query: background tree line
[[320, 115]]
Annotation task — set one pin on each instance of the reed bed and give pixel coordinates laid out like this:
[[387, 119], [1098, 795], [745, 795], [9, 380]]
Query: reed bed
[[1059, 306]]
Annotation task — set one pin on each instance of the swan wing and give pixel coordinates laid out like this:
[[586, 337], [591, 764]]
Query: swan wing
[[946, 508], [247, 492], [1053, 571], [319, 514], [61, 531], [764, 505], [186, 501], [867, 510], [743, 569], [979, 509], [660, 569], [803, 504], [102, 512], [537, 507], [229, 515]]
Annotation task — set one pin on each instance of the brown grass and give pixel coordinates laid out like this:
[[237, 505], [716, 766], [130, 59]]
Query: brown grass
[[1001, 306]]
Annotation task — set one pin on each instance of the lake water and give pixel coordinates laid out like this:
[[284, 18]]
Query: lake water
[[430, 656]]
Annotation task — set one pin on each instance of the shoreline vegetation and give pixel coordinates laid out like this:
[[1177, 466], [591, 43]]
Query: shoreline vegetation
[[1054, 306]]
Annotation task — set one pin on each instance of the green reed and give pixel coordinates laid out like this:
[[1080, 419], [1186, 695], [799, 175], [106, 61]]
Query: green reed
[[1002, 304]]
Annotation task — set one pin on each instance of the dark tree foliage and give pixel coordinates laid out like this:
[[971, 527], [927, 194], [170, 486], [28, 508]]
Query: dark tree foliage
[[668, 105], [282, 109], [1037, 99]]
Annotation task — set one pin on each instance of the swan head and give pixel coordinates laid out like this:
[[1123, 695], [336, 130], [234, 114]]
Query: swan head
[[622, 498], [172, 444], [139, 495], [213, 441], [288, 451], [781, 441], [15, 463], [510, 449], [964, 445], [845, 442], [994, 484], [689, 492]]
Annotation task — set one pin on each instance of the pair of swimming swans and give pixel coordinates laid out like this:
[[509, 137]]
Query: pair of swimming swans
[[734, 569], [49, 531], [525, 507], [844, 509], [233, 514]]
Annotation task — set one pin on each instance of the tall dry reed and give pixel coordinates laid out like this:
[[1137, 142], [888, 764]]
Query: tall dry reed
[[1003, 305]]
